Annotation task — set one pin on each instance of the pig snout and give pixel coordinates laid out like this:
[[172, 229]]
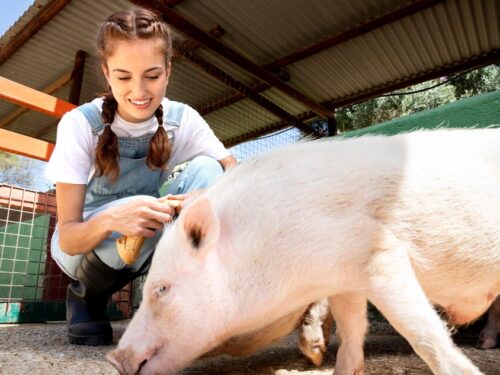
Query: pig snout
[[128, 362]]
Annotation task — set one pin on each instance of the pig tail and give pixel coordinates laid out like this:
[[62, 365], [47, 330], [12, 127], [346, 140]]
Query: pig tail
[[159, 146], [107, 154]]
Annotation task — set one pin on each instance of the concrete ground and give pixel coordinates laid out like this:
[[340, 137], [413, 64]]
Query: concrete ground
[[43, 349]]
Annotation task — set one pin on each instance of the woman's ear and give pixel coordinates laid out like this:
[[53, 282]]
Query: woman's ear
[[168, 70], [105, 70]]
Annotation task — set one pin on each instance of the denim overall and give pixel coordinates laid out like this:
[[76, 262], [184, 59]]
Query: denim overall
[[135, 179]]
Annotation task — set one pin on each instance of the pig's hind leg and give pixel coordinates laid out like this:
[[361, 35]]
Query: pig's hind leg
[[489, 334], [396, 292], [349, 313]]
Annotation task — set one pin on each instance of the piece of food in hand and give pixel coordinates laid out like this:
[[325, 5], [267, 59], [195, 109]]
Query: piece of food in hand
[[129, 247]]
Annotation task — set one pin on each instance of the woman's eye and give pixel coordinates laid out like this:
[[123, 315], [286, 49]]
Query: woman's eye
[[153, 77], [123, 78]]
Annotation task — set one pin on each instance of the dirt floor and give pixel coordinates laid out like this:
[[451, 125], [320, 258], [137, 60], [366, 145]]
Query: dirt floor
[[43, 349]]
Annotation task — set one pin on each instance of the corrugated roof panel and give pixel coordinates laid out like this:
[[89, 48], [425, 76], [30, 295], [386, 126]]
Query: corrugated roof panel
[[395, 51], [191, 85], [444, 34], [31, 122], [266, 30], [289, 104]]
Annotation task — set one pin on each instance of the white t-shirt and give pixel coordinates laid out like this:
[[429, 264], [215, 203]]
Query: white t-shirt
[[73, 159]]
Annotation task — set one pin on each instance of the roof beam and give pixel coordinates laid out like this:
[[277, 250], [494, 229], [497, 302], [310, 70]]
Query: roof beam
[[360, 29], [34, 25], [77, 77], [232, 82], [231, 100], [333, 40], [212, 43]]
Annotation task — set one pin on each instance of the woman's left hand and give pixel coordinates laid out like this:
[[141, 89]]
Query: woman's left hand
[[182, 198]]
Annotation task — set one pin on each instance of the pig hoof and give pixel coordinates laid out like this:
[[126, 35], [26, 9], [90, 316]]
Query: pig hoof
[[486, 343], [315, 356]]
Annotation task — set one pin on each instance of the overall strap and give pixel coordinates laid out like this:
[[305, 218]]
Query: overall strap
[[174, 114], [93, 116]]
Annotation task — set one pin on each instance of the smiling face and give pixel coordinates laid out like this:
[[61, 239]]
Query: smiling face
[[137, 73]]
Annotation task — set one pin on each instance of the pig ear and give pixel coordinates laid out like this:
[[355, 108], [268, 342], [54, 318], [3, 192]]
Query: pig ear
[[200, 225]]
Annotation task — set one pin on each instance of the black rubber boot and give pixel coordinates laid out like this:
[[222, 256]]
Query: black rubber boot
[[87, 300]]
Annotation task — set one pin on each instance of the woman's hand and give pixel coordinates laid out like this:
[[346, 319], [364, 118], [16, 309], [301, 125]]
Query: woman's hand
[[140, 217], [182, 198]]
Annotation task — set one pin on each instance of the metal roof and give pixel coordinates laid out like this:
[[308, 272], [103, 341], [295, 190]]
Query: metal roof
[[379, 47]]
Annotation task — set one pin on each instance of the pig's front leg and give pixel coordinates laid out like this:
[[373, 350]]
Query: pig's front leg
[[489, 334], [395, 291], [349, 313]]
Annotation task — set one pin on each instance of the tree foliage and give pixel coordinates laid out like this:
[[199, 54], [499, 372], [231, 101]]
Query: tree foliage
[[23, 172], [427, 95]]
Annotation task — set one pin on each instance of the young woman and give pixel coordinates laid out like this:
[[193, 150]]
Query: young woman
[[111, 157]]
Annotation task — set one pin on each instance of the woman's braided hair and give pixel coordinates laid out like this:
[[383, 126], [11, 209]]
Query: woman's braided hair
[[130, 25]]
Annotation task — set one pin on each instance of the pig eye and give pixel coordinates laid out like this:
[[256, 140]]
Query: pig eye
[[162, 290]]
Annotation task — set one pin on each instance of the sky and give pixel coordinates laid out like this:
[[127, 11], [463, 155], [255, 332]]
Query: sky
[[10, 11]]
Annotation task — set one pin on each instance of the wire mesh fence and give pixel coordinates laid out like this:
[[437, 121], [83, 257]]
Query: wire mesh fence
[[32, 286]]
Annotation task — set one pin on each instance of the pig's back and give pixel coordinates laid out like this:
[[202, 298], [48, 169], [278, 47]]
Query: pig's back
[[437, 191]]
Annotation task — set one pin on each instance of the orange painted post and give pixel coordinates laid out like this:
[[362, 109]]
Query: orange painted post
[[19, 144], [27, 97], [33, 99]]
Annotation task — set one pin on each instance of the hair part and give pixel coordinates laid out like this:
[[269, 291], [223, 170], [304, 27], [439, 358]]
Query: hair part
[[130, 25]]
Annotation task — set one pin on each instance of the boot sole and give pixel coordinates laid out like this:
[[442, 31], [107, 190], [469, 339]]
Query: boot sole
[[90, 340]]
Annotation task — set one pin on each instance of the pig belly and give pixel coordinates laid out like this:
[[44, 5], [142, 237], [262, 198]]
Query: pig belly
[[246, 344], [461, 302], [463, 312]]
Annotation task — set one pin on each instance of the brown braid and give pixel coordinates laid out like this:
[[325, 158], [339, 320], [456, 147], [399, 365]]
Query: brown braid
[[159, 146], [130, 25], [106, 156]]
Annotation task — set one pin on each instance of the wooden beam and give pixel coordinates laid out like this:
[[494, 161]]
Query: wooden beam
[[333, 40], [214, 106], [16, 143], [212, 43], [34, 25], [363, 28], [53, 87], [240, 87], [77, 77], [33, 99]]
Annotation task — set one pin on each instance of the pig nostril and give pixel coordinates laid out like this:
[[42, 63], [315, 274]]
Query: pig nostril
[[141, 366]]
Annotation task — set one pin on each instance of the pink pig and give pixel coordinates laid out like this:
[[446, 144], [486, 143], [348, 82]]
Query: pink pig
[[406, 222]]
